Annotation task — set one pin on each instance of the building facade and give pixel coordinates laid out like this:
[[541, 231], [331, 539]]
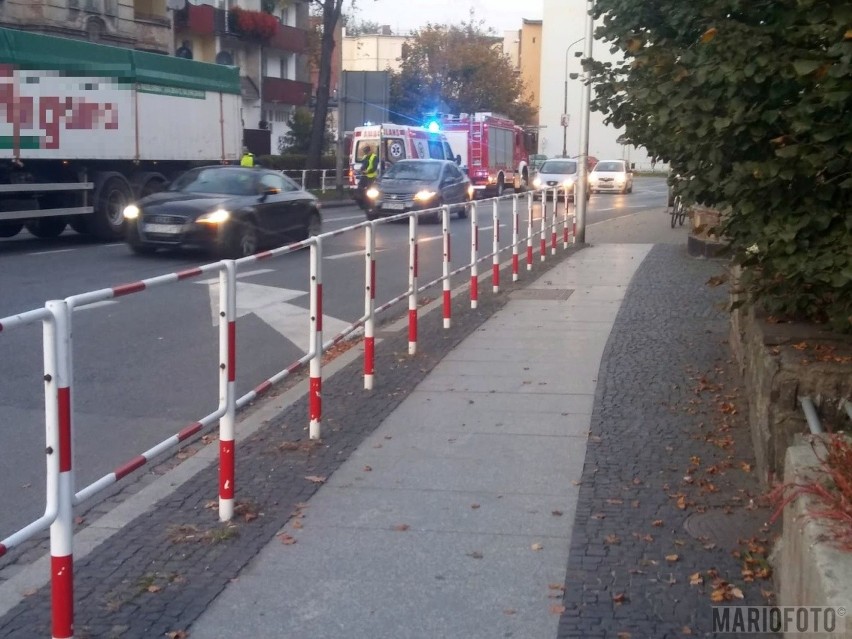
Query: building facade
[[271, 50], [138, 24], [563, 30], [372, 52]]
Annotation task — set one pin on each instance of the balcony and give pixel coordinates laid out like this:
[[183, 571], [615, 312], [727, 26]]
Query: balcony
[[289, 39], [198, 19], [286, 91], [205, 20]]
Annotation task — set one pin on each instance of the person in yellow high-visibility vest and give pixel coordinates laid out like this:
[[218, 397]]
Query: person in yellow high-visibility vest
[[247, 159]]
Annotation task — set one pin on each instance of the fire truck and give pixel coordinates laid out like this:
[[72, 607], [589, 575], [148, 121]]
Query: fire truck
[[494, 150]]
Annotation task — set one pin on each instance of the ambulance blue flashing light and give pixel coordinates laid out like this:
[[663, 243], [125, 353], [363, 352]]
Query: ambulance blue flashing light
[[433, 126]]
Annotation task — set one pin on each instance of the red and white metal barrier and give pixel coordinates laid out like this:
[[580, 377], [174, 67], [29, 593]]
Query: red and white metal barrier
[[530, 232], [516, 240], [542, 248], [369, 305], [227, 387], [447, 307], [57, 318], [315, 344], [554, 221], [474, 256], [412, 285], [495, 247]]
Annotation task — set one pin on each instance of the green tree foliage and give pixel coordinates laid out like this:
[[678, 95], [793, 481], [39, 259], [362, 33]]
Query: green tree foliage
[[751, 100], [298, 138], [456, 69]]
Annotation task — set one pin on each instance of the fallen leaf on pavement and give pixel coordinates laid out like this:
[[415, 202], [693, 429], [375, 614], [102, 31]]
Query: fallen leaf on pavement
[[475, 554], [474, 506], [681, 502], [672, 558], [657, 523], [619, 598], [317, 479], [623, 635], [696, 579], [177, 634], [510, 611], [612, 540], [286, 539], [558, 587], [401, 527], [557, 609], [536, 546], [686, 630], [154, 588], [556, 513], [615, 502]]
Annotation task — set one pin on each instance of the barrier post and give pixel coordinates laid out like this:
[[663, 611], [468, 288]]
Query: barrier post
[[227, 384], [322, 181], [530, 201], [315, 341], [495, 247], [412, 284], [542, 249], [447, 299], [62, 528], [304, 176], [369, 306], [565, 220], [554, 221], [515, 238], [474, 257]]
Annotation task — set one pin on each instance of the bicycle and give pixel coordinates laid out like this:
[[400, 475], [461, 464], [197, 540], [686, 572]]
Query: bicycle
[[678, 211]]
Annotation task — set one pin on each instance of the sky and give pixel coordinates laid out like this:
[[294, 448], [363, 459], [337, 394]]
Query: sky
[[408, 15]]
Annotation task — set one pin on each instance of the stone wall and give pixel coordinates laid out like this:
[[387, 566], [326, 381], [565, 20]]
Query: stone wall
[[781, 362]]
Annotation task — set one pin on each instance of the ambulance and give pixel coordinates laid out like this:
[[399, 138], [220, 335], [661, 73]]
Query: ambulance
[[394, 142]]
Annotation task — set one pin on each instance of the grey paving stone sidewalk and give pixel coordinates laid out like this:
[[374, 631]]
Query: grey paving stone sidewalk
[[668, 453]]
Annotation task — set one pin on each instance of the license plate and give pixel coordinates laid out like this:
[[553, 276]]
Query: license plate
[[396, 206], [165, 229]]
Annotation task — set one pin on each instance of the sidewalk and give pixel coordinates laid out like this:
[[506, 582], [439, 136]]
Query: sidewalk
[[454, 518], [542, 473]]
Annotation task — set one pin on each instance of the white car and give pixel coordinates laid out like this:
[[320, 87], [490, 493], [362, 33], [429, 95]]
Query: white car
[[557, 173], [611, 176]]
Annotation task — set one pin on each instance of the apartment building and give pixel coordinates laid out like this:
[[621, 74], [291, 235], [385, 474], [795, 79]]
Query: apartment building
[[268, 41]]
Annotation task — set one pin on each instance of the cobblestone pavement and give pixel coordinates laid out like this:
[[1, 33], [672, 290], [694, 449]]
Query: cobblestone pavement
[[669, 511], [159, 573]]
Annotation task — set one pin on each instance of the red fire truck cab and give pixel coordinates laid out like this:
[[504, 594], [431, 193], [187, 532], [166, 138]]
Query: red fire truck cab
[[493, 149]]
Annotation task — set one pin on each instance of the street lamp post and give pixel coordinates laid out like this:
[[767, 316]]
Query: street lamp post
[[565, 102], [583, 173]]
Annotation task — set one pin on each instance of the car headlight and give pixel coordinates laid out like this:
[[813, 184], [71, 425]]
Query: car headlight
[[470, 191], [218, 216], [568, 184], [373, 193], [424, 195], [537, 182], [130, 212]]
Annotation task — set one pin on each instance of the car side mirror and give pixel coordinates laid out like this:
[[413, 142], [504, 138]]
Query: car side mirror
[[267, 191], [633, 166], [458, 159]]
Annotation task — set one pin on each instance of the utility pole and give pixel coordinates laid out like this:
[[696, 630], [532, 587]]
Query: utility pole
[[583, 178], [341, 133]]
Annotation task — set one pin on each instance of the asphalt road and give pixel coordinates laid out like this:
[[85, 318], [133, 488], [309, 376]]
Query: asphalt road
[[145, 365]]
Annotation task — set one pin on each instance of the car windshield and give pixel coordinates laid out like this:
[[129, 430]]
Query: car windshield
[[420, 171], [612, 167], [561, 167], [216, 180]]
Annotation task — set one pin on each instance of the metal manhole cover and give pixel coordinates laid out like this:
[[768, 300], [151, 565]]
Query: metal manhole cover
[[725, 530], [541, 294]]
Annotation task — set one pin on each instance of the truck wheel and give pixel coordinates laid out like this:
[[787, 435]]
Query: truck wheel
[[46, 227], [112, 194], [10, 229]]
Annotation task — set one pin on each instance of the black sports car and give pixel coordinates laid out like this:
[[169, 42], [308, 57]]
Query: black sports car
[[233, 211]]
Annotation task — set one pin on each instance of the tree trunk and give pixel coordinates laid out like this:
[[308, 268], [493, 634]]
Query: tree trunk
[[330, 16]]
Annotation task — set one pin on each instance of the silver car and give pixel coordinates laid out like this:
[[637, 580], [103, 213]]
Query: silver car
[[611, 176], [557, 173]]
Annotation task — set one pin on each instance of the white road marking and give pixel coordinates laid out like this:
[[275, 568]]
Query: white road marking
[[52, 252]]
